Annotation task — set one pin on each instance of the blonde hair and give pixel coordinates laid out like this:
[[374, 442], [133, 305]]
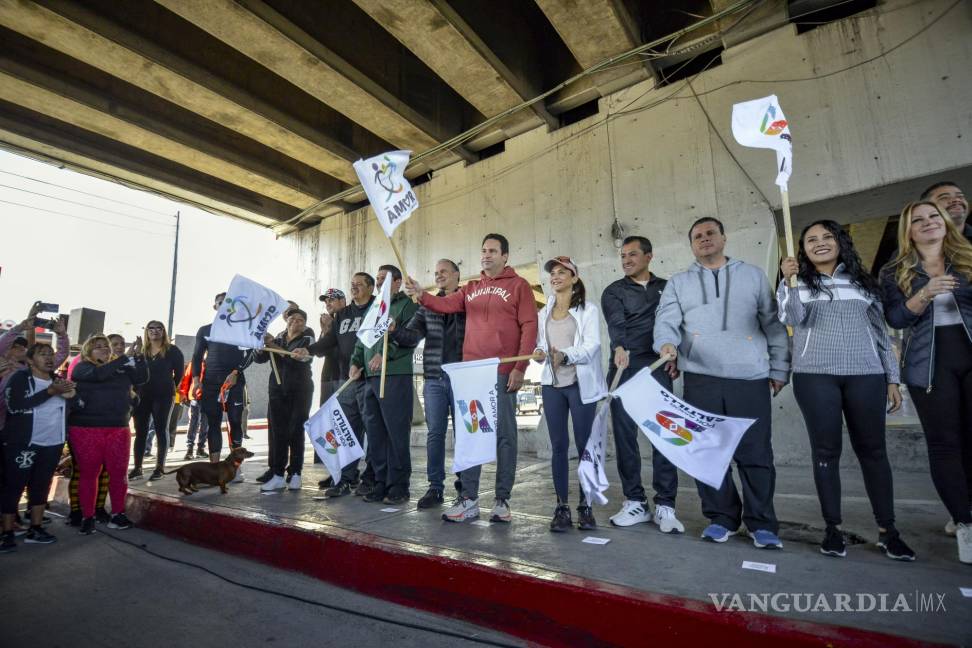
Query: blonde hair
[[147, 346], [89, 343], [956, 250]]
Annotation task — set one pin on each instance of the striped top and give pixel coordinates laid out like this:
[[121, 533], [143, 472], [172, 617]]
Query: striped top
[[841, 334]]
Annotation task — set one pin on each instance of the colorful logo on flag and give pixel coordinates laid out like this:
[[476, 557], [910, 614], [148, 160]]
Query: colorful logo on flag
[[384, 176], [238, 311], [474, 416], [673, 428], [329, 442], [771, 125]]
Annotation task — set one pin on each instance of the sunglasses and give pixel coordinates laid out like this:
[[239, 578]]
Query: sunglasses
[[154, 328]]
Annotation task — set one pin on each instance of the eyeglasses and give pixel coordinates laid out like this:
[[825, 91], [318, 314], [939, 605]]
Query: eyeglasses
[[154, 328]]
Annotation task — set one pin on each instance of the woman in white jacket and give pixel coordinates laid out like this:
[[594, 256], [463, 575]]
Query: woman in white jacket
[[569, 346]]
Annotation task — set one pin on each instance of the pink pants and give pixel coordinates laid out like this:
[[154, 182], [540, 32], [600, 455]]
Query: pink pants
[[94, 447]]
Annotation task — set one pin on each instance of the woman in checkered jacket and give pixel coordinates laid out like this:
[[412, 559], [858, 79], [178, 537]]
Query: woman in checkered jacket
[[843, 367]]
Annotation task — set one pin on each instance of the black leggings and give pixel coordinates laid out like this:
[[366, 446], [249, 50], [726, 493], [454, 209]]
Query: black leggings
[[946, 417], [159, 408], [31, 467], [825, 401], [289, 411]]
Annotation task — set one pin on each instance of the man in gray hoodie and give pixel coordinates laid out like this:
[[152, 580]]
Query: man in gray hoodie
[[719, 318]]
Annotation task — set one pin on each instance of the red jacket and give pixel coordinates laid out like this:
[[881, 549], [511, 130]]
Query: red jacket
[[501, 317]]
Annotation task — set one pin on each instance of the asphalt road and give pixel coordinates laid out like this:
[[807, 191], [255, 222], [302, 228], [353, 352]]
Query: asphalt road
[[100, 591]]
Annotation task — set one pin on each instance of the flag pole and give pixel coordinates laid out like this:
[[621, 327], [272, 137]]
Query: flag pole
[[788, 228], [273, 364], [347, 383], [401, 264], [384, 363]]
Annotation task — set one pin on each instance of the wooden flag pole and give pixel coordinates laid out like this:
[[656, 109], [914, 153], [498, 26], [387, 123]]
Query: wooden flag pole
[[273, 364], [788, 229], [384, 364], [401, 264], [347, 383]]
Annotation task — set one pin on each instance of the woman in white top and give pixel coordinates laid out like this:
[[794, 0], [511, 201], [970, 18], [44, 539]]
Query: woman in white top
[[569, 346]]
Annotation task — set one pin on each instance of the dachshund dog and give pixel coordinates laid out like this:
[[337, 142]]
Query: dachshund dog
[[214, 474]]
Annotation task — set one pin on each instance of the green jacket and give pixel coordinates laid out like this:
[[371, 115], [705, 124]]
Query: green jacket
[[399, 360]]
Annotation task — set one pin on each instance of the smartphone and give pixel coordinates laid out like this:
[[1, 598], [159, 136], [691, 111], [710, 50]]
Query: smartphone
[[47, 308], [40, 322]]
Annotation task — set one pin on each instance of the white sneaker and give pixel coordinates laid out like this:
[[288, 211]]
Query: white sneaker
[[274, 483], [294, 483], [950, 527], [632, 512], [239, 476], [666, 520], [462, 510], [963, 534]]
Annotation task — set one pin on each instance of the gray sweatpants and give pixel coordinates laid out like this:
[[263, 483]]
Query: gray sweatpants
[[505, 447]]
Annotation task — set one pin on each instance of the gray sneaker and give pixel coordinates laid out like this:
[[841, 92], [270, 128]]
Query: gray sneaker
[[464, 509], [501, 512]]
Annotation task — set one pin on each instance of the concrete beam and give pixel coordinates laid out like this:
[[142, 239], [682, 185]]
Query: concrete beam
[[57, 98], [256, 30], [438, 36], [595, 30], [77, 32]]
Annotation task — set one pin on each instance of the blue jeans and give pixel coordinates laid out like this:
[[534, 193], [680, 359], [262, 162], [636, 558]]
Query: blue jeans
[[197, 426], [438, 411]]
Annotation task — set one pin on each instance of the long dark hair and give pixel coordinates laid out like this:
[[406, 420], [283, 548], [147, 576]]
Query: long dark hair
[[578, 294], [846, 254]]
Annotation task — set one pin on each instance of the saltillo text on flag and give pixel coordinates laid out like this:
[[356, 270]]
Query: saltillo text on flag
[[590, 468], [475, 404], [376, 321], [698, 442], [246, 313], [390, 194], [760, 124], [333, 438]]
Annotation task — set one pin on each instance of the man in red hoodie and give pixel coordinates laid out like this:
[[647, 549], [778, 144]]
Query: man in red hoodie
[[501, 321]]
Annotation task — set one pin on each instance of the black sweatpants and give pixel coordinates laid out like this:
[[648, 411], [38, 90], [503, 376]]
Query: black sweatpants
[[753, 456], [289, 410], [664, 475], [30, 467], [825, 402], [159, 408], [946, 417], [388, 422], [213, 409], [352, 403]]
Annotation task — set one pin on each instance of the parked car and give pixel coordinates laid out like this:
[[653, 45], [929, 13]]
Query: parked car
[[527, 401]]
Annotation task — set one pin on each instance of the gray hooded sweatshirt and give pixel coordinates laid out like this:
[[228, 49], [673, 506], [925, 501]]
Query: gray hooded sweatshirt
[[724, 323]]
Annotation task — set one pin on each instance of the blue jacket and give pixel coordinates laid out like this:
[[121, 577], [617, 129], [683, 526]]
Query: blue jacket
[[918, 357]]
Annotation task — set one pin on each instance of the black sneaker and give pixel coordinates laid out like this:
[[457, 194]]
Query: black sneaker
[[87, 526], [156, 475], [134, 473], [324, 484], [101, 516], [396, 497], [37, 535], [342, 489], [585, 519], [74, 518], [833, 543], [561, 520], [201, 453], [375, 495], [364, 489], [120, 521], [894, 547], [8, 542], [265, 477], [432, 497], [188, 455]]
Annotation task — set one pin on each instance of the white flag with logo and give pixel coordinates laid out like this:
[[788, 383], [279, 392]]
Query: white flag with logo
[[390, 194], [760, 124], [475, 404], [590, 469], [700, 443], [332, 437], [376, 321], [246, 313]]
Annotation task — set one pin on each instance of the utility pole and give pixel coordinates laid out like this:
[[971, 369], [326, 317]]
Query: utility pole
[[175, 271]]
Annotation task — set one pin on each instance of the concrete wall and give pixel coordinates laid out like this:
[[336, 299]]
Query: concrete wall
[[657, 164]]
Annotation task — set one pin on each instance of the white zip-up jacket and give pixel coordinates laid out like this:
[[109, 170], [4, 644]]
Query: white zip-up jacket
[[584, 353]]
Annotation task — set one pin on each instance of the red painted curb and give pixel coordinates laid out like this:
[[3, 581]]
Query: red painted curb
[[536, 604]]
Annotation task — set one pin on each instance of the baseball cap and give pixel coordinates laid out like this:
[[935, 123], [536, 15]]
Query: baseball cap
[[332, 293], [561, 260]]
